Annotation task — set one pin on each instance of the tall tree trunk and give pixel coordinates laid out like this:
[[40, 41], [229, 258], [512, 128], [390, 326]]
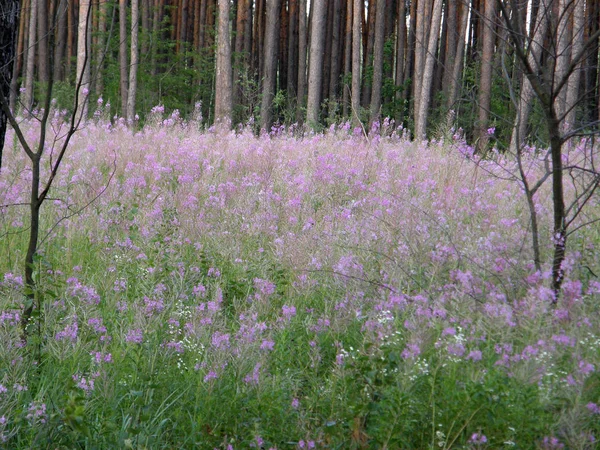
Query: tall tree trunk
[[202, 38], [283, 45], [378, 61], [574, 79], [456, 80], [71, 27], [9, 21], [223, 94], [347, 59], [270, 63], [124, 73], [145, 30], [452, 37], [400, 48], [42, 42], [535, 51], [302, 35], [135, 56], [83, 55], [292, 69], [328, 35], [30, 64], [367, 81], [485, 81], [356, 48], [241, 57], [334, 74], [102, 13], [315, 77], [563, 38], [420, 52], [421, 120]]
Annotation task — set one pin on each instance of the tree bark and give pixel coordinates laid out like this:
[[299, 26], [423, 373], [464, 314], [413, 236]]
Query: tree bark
[[419, 49], [574, 79], [485, 81], [456, 80], [30, 64], [9, 21], [534, 57], [292, 69], [378, 61], [400, 49], [563, 40], [42, 42], [356, 44], [347, 60], [123, 56], [270, 64], [302, 35], [315, 77], [223, 94], [367, 81], [421, 120], [132, 91]]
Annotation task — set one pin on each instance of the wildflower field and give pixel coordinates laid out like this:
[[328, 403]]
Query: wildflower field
[[205, 289]]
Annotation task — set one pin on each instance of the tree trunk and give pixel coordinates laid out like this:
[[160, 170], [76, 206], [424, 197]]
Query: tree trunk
[[367, 81], [42, 42], [356, 44], [30, 64], [328, 36], [574, 79], [9, 21], [83, 55], [456, 81], [145, 29], [420, 51], [270, 64], [71, 25], [378, 61], [334, 74], [223, 94], [103, 13], [534, 57], [283, 46], [421, 120], [132, 91], [485, 81], [452, 37], [315, 77], [302, 35], [123, 56], [347, 60], [563, 38], [292, 69], [400, 49]]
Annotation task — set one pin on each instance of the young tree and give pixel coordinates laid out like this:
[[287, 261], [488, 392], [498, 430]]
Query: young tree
[[315, 76], [586, 176], [223, 91]]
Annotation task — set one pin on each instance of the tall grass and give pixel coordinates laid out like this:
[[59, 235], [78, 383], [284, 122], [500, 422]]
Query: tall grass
[[211, 290]]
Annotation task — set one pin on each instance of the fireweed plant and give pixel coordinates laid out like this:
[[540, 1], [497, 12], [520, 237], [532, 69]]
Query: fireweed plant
[[292, 291]]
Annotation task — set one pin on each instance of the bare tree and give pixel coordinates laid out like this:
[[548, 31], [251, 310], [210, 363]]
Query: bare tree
[[584, 177]]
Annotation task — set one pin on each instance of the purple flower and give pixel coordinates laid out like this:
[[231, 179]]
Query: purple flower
[[593, 408], [478, 439], [474, 355]]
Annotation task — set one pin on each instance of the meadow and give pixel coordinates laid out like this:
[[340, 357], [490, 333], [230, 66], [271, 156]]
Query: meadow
[[208, 289]]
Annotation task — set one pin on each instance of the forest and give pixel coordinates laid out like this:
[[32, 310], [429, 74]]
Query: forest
[[299, 224]]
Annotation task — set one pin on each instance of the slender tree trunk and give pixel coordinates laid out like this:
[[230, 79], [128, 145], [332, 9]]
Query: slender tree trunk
[[563, 38], [132, 91], [378, 61], [356, 48], [83, 54], [145, 29], [103, 13], [223, 94], [420, 52], [71, 26], [328, 36], [30, 65], [400, 48], [315, 77], [42, 42], [485, 81], [270, 63], [123, 56], [334, 74], [451, 44], [302, 35], [456, 81], [9, 21], [292, 69], [347, 59], [367, 81], [421, 122], [282, 61], [526, 98], [573, 85]]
